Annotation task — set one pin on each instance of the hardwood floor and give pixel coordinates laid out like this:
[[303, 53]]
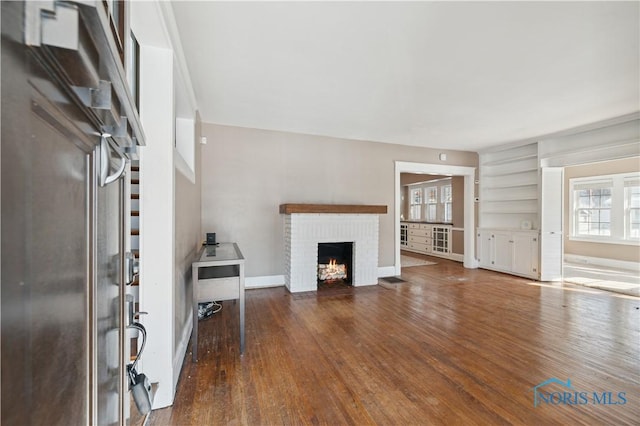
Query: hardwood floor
[[449, 346]]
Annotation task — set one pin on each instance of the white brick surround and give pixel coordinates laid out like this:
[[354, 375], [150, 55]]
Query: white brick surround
[[303, 232]]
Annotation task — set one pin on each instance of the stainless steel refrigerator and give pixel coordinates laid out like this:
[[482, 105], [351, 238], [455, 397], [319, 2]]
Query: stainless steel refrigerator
[[69, 125]]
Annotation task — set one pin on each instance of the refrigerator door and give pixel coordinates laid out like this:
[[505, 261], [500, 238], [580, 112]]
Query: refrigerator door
[[108, 301], [63, 336], [45, 255]]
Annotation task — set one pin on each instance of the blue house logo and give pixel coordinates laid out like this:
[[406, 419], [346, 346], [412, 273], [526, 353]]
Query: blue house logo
[[569, 396], [536, 391]]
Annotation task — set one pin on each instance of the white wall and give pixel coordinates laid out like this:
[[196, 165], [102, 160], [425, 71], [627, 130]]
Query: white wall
[[169, 196], [157, 218], [188, 239]]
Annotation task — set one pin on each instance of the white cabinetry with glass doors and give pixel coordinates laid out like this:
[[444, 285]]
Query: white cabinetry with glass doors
[[441, 236], [428, 239], [404, 235]]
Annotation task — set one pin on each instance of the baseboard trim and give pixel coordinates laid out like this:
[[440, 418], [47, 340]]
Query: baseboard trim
[[601, 261], [181, 352], [386, 271], [265, 281]]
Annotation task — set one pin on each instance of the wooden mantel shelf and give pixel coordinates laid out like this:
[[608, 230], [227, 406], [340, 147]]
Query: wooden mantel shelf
[[332, 208]]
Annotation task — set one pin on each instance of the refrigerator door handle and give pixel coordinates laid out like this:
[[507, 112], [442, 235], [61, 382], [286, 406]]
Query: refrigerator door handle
[[105, 160], [131, 267]]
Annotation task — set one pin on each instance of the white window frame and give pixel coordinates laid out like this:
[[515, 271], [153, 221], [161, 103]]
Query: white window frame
[[447, 203], [431, 209], [431, 203], [620, 211], [413, 206], [629, 183]]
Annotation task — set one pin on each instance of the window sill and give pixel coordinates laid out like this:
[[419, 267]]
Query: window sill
[[605, 241]]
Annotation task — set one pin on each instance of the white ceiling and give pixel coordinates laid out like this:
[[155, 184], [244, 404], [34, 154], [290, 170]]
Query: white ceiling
[[457, 75]]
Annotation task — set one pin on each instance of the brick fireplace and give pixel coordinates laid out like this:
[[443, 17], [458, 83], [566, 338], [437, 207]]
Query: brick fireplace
[[307, 225]]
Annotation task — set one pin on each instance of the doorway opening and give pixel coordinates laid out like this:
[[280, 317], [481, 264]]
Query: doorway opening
[[469, 174]]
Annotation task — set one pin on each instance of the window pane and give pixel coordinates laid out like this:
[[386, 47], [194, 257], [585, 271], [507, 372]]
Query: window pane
[[446, 194], [414, 212], [593, 222], [633, 194], [431, 212], [634, 223], [416, 196], [431, 195], [605, 200]]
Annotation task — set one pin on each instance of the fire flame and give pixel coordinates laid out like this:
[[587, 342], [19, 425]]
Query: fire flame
[[334, 267], [332, 270]]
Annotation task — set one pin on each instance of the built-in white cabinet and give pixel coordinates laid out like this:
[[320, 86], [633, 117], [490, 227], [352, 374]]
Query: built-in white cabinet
[[404, 235], [511, 251], [427, 238], [441, 239], [420, 240]]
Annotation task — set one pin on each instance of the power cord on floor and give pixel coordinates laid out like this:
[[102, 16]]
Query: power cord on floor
[[207, 309]]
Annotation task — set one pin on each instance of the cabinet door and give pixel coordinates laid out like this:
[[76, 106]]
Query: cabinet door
[[403, 235], [551, 215], [502, 251], [485, 249], [440, 239], [525, 254]]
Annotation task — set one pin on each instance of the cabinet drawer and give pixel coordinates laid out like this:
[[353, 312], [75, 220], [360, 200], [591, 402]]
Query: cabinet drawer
[[426, 227], [420, 239], [424, 248], [218, 289], [419, 233], [414, 225]]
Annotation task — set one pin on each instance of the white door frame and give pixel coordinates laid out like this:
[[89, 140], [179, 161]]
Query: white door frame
[[469, 174]]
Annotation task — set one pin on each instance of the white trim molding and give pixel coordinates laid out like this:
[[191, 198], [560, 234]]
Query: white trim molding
[[386, 271], [181, 352], [601, 261], [264, 281], [469, 174]]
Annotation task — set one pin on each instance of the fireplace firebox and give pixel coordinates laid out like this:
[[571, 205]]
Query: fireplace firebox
[[335, 264]]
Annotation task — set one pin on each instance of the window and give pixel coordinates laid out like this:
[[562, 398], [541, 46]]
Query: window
[[431, 203], [632, 208], [116, 11], [133, 68], [606, 208], [593, 215], [415, 208], [445, 195]]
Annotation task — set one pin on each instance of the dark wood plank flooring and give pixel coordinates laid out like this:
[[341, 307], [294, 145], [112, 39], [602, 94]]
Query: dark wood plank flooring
[[449, 346]]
